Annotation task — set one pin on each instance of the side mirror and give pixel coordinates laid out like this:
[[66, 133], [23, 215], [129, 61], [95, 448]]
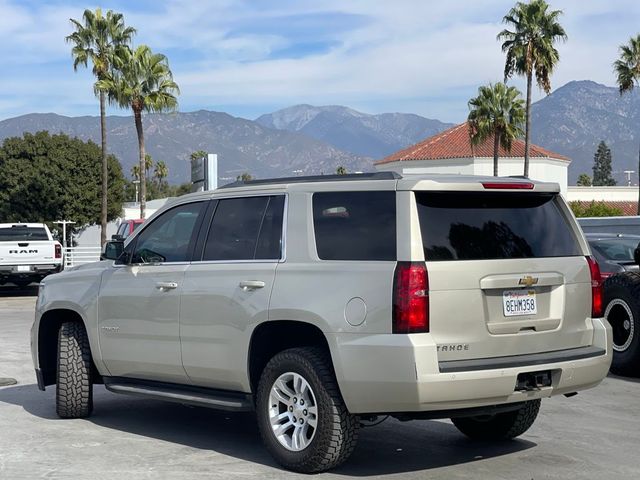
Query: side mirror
[[117, 238], [112, 250], [636, 254]]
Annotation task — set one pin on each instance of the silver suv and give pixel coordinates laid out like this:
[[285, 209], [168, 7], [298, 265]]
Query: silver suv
[[324, 302]]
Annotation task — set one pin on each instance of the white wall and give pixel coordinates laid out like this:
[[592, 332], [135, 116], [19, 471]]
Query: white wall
[[610, 194]]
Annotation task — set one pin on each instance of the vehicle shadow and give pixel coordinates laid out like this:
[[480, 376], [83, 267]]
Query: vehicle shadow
[[13, 291], [388, 448]]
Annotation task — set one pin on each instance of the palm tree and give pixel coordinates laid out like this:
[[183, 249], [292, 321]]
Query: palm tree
[[135, 172], [141, 80], [161, 171], [530, 49], [198, 154], [627, 69], [95, 39], [148, 163], [497, 112]]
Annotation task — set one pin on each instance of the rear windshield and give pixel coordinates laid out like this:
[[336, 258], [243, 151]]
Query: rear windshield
[[493, 225], [22, 234], [618, 249]]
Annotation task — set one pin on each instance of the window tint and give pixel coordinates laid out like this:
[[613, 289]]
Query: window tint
[[168, 238], [270, 239], [22, 234], [478, 226], [355, 225], [246, 229]]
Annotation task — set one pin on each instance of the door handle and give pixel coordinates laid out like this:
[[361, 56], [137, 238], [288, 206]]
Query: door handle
[[251, 284], [166, 285]]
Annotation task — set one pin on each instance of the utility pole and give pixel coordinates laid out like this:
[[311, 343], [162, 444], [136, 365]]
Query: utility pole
[[64, 224]]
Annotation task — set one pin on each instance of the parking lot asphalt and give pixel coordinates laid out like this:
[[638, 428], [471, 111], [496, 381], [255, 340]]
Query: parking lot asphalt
[[595, 435]]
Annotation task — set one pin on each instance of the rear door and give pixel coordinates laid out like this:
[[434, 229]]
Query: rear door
[[227, 288], [507, 275]]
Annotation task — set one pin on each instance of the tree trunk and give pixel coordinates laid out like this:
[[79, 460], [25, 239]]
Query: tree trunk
[[496, 146], [105, 173], [527, 125], [137, 115]]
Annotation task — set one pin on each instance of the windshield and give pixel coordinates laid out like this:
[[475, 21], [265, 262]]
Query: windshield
[[22, 234], [617, 249]]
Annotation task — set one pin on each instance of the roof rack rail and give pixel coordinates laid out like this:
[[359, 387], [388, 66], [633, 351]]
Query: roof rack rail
[[316, 178]]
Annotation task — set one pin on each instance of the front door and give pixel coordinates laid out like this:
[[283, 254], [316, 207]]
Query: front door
[[139, 302]]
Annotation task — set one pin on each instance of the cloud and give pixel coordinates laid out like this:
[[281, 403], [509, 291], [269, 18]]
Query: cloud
[[424, 57]]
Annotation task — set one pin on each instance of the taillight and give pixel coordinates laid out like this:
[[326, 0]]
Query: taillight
[[410, 298], [596, 288], [58, 253], [507, 185]]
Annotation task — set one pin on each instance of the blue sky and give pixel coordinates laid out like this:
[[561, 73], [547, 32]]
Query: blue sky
[[253, 57]]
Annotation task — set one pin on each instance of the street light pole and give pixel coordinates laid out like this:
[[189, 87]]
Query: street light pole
[[136, 183], [64, 224]]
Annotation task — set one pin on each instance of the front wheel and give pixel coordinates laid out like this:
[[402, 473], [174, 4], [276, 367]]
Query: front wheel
[[302, 418], [74, 384], [501, 426]]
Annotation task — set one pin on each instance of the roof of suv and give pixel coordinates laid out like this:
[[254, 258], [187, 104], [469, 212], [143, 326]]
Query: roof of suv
[[383, 180]]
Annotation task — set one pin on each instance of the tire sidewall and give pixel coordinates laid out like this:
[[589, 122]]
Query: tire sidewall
[[615, 290], [280, 364]]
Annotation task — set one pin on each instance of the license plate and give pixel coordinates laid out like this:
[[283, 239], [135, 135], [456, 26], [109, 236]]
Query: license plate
[[23, 268], [519, 302]]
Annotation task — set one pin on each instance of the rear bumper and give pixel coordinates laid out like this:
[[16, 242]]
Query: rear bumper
[[401, 373], [9, 273]]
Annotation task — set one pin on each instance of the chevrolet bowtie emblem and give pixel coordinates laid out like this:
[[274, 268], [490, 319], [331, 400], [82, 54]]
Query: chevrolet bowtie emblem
[[528, 281]]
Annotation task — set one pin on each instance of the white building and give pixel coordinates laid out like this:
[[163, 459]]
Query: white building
[[451, 151]]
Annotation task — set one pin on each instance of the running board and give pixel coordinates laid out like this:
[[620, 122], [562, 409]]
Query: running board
[[202, 397]]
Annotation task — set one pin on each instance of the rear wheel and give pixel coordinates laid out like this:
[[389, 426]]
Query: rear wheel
[[622, 310], [74, 385], [303, 420], [501, 426]]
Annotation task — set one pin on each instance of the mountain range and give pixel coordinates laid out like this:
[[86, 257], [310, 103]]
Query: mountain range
[[306, 139]]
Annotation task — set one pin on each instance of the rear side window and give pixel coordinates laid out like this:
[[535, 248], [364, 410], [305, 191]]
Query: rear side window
[[484, 226], [355, 225], [19, 233], [246, 229]]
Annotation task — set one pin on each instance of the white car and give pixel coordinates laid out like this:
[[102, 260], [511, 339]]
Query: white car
[[28, 253]]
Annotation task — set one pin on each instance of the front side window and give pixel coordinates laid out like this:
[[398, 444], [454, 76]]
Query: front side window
[[487, 226], [169, 237], [248, 228], [355, 225]]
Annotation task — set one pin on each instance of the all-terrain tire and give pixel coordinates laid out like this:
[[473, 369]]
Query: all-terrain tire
[[622, 309], [337, 430], [74, 383], [501, 426]]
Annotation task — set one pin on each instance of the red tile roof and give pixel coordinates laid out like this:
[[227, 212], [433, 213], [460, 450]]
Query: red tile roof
[[455, 143]]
